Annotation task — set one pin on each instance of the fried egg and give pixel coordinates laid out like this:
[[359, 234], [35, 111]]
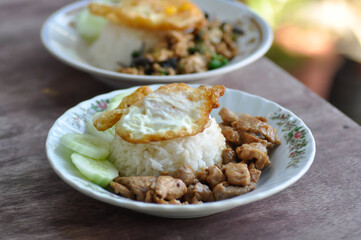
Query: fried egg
[[172, 111], [151, 14], [107, 119]]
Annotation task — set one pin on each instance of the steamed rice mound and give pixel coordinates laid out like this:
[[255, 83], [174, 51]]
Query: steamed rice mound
[[200, 151], [116, 43]]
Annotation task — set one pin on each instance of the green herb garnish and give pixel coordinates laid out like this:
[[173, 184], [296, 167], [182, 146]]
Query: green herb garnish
[[136, 54], [217, 61]]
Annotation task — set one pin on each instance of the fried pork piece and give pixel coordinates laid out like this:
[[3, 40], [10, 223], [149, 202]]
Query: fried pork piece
[[263, 119], [246, 123], [180, 42], [231, 134], [185, 173], [152, 197], [131, 70], [222, 48], [172, 111], [149, 196], [138, 185], [169, 188], [231, 49], [202, 176], [255, 174], [249, 137], [193, 64], [163, 189], [198, 193], [237, 174], [228, 156], [249, 129], [215, 176], [156, 199], [225, 190], [107, 119], [121, 190], [160, 54], [258, 151], [227, 116]]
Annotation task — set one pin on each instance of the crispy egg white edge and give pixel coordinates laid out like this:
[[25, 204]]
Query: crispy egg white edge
[[160, 113]]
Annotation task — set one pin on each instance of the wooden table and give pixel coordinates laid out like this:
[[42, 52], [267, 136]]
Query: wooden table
[[35, 89]]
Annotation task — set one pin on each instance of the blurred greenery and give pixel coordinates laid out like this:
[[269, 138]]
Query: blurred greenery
[[276, 12], [337, 20], [284, 58]]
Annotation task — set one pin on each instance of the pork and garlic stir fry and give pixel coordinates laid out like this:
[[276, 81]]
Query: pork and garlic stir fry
[[248, 141], [209, 46]]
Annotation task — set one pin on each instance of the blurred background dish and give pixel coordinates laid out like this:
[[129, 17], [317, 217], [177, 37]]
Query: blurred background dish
[[62, 40]]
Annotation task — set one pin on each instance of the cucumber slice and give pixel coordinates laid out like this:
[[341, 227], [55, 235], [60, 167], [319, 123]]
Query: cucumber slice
[[86, 144], [115, 101], [98, 172], [107, 135], [88, 25]]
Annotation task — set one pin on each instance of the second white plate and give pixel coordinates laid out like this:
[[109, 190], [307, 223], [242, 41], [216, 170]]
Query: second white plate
[[62, 41]]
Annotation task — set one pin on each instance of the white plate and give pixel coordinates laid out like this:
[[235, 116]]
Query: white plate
[[290, 160], [61, 40]]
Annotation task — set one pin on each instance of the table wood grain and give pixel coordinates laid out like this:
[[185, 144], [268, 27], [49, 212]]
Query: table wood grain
[[35, 89]]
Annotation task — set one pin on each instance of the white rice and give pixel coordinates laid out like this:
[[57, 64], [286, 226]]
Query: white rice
[[116, 44], [200, 151]]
